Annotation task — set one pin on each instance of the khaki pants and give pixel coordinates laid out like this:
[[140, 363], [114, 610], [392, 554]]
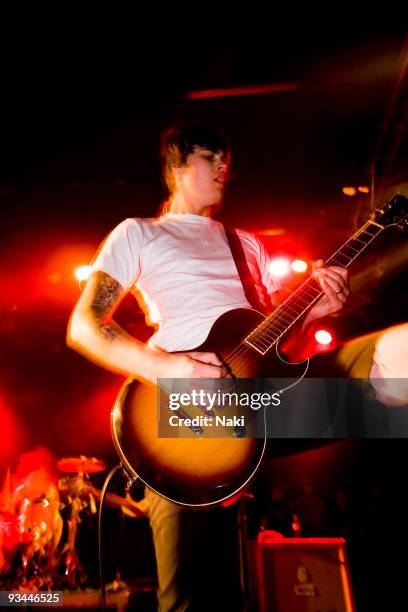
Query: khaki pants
[[197, 557]]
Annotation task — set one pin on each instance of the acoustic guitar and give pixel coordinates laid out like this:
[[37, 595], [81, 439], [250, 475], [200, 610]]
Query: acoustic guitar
[[198, 469]]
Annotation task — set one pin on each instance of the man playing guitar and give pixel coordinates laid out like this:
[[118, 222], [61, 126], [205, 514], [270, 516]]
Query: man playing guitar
[[181, 269]]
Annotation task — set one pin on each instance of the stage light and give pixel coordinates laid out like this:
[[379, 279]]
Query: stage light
[[349, 191], [82, 273], [323, 336], [363, 189], [279, 266], [298, 265]]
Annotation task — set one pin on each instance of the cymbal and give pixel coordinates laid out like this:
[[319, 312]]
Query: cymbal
[[81, 464]]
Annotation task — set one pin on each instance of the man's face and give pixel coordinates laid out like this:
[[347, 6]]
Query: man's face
[[203, 178]]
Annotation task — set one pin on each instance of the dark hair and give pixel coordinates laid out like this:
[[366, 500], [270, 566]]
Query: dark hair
[[178, 141]]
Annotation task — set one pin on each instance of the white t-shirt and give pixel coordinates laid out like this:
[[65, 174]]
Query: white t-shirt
[[180, 268]]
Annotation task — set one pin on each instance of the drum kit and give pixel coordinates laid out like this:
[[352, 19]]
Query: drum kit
[[39, 524]]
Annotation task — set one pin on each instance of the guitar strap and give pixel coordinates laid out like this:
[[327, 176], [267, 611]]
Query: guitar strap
[[244, 272]]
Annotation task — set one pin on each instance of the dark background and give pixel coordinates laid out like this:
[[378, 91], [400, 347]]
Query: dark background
[[81, 112]]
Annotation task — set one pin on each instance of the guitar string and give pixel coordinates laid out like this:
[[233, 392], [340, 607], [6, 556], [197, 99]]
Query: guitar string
[[238, 354], [269, 327], [242, 349], [276, 317]]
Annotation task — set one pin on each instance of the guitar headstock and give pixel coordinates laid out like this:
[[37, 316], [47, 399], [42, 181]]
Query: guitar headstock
[[393, 212]]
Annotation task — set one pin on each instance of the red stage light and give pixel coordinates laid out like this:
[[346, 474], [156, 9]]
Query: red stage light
[[298, 265], [323, 336], [280, 266], [82, 273]]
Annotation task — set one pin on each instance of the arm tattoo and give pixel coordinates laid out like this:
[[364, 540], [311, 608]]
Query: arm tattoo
[[106, 292]]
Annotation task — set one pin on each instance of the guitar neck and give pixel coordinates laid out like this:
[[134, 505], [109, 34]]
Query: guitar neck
[[302, 299]]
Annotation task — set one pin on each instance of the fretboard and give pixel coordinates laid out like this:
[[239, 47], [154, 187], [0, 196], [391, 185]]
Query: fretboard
[[263, 337]]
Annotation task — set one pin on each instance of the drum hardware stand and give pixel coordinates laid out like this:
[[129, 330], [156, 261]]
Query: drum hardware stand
[[73, 569], [102, 583]]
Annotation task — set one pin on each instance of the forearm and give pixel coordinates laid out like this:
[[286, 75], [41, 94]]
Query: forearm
[[109, 345], [93, 332]]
